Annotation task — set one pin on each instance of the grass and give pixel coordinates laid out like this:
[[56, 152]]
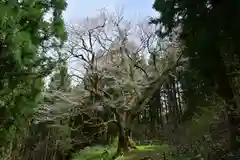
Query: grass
[[97, 153], [154, 151]]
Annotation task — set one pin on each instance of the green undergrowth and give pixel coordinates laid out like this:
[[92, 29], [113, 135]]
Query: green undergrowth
[[156, 152], [153, 151], [95, 153]]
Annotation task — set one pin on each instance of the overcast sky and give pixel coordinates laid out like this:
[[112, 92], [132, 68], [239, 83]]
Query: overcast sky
[[133, 9]]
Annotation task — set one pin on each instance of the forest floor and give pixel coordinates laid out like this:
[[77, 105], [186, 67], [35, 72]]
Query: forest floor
[[156, 152]]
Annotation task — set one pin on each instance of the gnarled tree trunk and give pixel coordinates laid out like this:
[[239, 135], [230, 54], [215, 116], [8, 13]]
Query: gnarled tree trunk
[[124, 133]]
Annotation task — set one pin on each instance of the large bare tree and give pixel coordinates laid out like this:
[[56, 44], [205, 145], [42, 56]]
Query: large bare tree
[[111, 50]]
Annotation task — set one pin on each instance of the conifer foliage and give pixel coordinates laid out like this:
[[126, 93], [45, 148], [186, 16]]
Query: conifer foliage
[[29, 29]]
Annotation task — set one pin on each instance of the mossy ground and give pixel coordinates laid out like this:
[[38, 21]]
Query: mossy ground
[[106, 152]]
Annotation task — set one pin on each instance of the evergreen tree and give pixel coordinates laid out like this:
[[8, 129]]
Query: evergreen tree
[[25, 38], [210, 34], [61, 79]]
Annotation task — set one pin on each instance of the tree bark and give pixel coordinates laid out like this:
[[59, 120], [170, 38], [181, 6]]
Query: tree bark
[[154, 105], [166, 108], [123, 140], [179, 98], [172, 103], [124, 133], [160, 116], [175, 101]]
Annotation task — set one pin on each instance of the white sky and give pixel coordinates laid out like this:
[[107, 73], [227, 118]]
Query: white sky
[[133, 9]]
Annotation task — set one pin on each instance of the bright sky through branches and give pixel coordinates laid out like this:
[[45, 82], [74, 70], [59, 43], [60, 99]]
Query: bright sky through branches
[[133, 9]]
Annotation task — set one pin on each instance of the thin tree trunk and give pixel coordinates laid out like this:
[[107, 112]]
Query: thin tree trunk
[[161, 117], [171, 103], [174, 101], [166, 108], [139, 118], [154, 105], [179, 98]]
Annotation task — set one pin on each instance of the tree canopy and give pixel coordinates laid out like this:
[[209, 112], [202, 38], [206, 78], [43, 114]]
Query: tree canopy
[[26, 37], [109, 88], [209, 32]]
